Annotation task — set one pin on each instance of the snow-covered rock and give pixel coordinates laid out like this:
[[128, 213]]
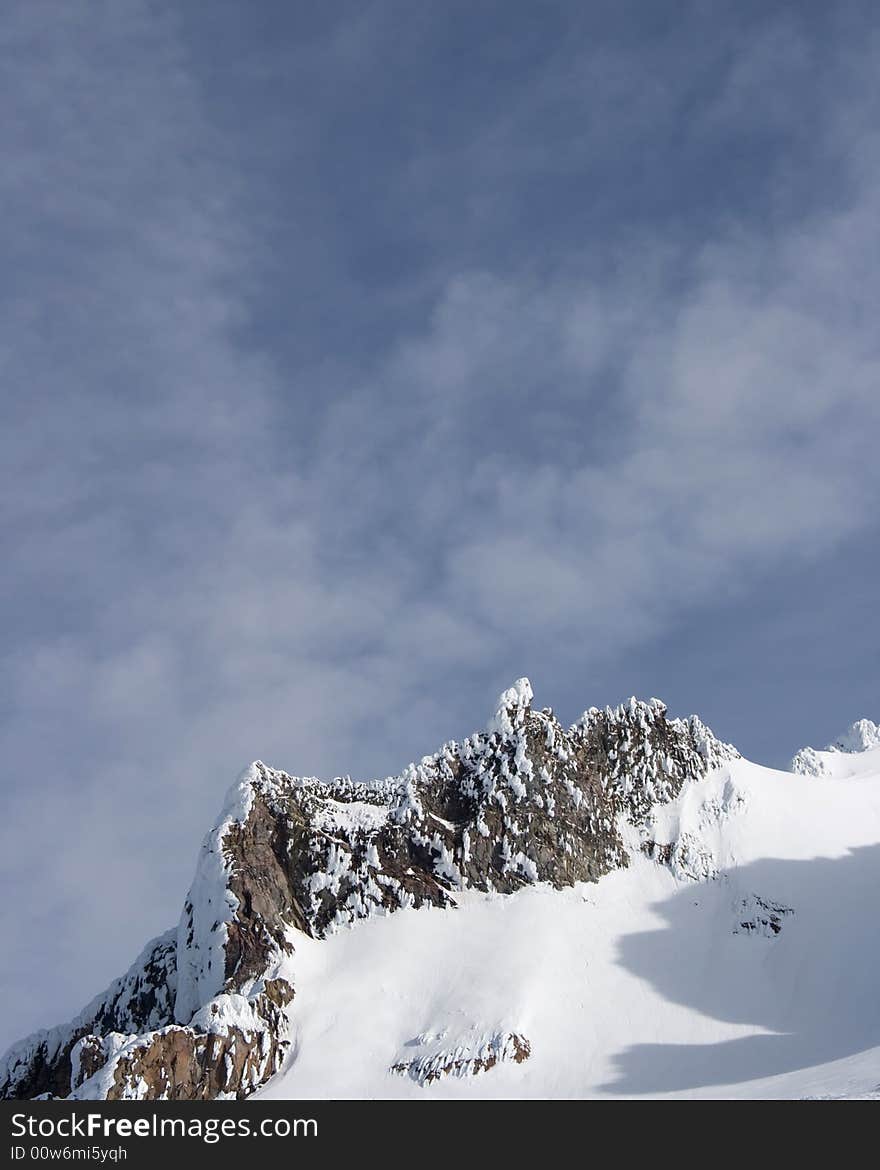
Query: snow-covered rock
[[469, 1057], [860, 737]]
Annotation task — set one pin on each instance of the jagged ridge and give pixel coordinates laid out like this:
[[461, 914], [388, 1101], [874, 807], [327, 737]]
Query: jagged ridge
[[203, 1013]]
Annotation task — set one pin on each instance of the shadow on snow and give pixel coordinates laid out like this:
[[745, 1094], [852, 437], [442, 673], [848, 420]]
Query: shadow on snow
[[812, 989]]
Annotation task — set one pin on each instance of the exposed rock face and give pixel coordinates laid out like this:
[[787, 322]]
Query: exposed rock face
[[204, 1011], [198, 1062]]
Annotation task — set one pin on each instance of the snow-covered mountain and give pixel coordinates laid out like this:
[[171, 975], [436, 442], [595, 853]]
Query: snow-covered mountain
[[855, 753], [622, 907]]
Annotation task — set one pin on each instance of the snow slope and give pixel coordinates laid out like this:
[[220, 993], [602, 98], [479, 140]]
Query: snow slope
[[739, 959]]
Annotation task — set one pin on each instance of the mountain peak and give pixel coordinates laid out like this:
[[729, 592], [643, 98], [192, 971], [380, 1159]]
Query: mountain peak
[[204, 1012], [861, 736]]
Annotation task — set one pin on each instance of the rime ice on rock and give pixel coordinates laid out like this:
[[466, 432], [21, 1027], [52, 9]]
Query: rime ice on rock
[[204, 1012], [511, 710]]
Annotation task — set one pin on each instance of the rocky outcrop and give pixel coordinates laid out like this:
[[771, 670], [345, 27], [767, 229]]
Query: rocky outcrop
[[468, 1059], [205, 1012], [760, 916], [215, 1056]]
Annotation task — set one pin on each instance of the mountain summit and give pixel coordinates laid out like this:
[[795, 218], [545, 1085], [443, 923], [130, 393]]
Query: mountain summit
[[209, 1009]]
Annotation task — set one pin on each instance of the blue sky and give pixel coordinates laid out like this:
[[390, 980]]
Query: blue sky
[[358, 359]]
